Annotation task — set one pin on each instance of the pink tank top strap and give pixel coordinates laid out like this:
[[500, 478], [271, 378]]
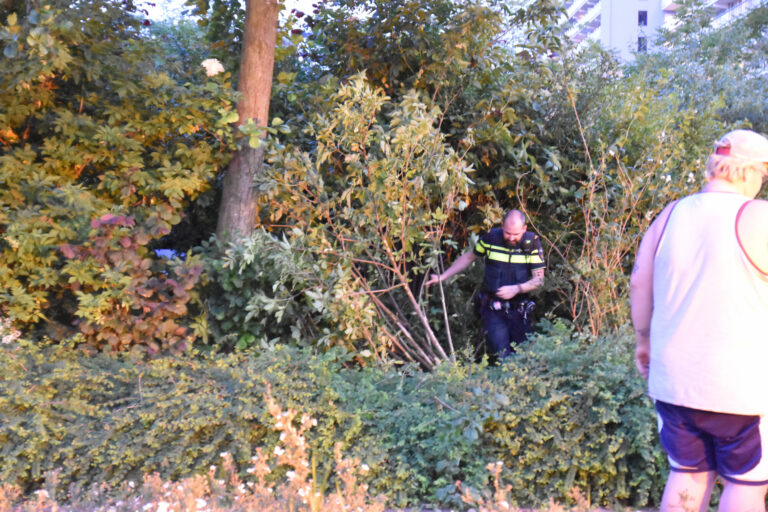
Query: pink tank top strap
[[738, 238]]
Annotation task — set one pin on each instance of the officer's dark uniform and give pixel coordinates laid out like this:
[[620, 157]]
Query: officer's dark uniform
[[506, 321]]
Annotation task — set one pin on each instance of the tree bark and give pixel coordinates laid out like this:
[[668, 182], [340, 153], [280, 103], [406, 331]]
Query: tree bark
[[237, 213]]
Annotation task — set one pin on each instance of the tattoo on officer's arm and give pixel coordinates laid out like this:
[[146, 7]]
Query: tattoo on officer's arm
[[646, 332]]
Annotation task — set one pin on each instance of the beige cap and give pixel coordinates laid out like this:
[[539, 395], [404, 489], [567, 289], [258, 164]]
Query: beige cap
[[744, 144]]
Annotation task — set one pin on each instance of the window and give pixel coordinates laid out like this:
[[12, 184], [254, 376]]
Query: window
[[642, 18], [642, 44]]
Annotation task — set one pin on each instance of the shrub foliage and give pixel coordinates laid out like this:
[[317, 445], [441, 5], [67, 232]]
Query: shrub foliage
[[561, 414], [101, 150]]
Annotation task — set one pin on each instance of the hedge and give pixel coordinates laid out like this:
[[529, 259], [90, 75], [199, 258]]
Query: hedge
[[566, 411]]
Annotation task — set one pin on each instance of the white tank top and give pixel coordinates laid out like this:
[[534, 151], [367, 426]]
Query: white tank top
[[709, 334]]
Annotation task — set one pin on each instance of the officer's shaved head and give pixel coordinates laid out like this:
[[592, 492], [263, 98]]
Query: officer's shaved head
[[514, 216], [513, 226]]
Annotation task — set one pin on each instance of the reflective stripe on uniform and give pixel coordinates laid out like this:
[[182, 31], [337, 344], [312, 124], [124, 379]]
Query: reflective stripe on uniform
[[507, 255], [515, 258], [508, 258]]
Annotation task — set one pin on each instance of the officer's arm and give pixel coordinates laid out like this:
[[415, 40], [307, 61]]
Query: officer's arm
[[458, 266], [511, 290], [534, 282]]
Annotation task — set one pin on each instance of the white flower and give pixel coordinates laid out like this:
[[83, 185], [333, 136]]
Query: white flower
[[691, 177], [9, 334], [212, 67], [365, 468], [279, 451], [223, 454], [131, 484], [200, 503], [291, 475], [163, 506]]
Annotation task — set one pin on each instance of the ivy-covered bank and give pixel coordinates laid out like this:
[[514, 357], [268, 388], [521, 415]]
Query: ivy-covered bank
[[566, 411]]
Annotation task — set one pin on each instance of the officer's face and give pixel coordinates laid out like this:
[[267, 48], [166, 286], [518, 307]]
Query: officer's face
[[513, 231]]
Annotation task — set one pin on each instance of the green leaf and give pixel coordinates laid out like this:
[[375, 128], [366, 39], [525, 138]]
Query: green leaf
[[10, 51], [12, 19], [230, 117], [255, 141]]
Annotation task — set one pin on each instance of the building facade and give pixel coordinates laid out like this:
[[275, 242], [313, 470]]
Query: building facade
[[630, 26]]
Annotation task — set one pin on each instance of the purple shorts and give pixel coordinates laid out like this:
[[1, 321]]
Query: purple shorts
[[700, 441]]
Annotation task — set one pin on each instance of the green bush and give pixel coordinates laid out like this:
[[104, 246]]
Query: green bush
[[101, 152], [353, 230], [562, 413], [263, 289]]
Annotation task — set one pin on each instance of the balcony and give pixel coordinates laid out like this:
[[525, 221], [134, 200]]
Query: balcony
[[729, 14], [717, 5], [725, 10], [578, 8], [587, 25]]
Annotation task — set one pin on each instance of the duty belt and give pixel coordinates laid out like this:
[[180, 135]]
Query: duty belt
[[524, 307], [498, 305]]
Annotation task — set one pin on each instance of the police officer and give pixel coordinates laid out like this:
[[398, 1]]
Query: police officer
[[514, 265]]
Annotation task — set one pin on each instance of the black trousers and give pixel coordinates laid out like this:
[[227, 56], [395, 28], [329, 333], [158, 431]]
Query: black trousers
[[503, 330]]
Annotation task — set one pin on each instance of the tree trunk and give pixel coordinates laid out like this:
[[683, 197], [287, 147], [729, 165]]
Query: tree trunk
[[237, 213]]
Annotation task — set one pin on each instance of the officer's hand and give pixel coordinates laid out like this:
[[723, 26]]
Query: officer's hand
[[435, 278], [507, 292]]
